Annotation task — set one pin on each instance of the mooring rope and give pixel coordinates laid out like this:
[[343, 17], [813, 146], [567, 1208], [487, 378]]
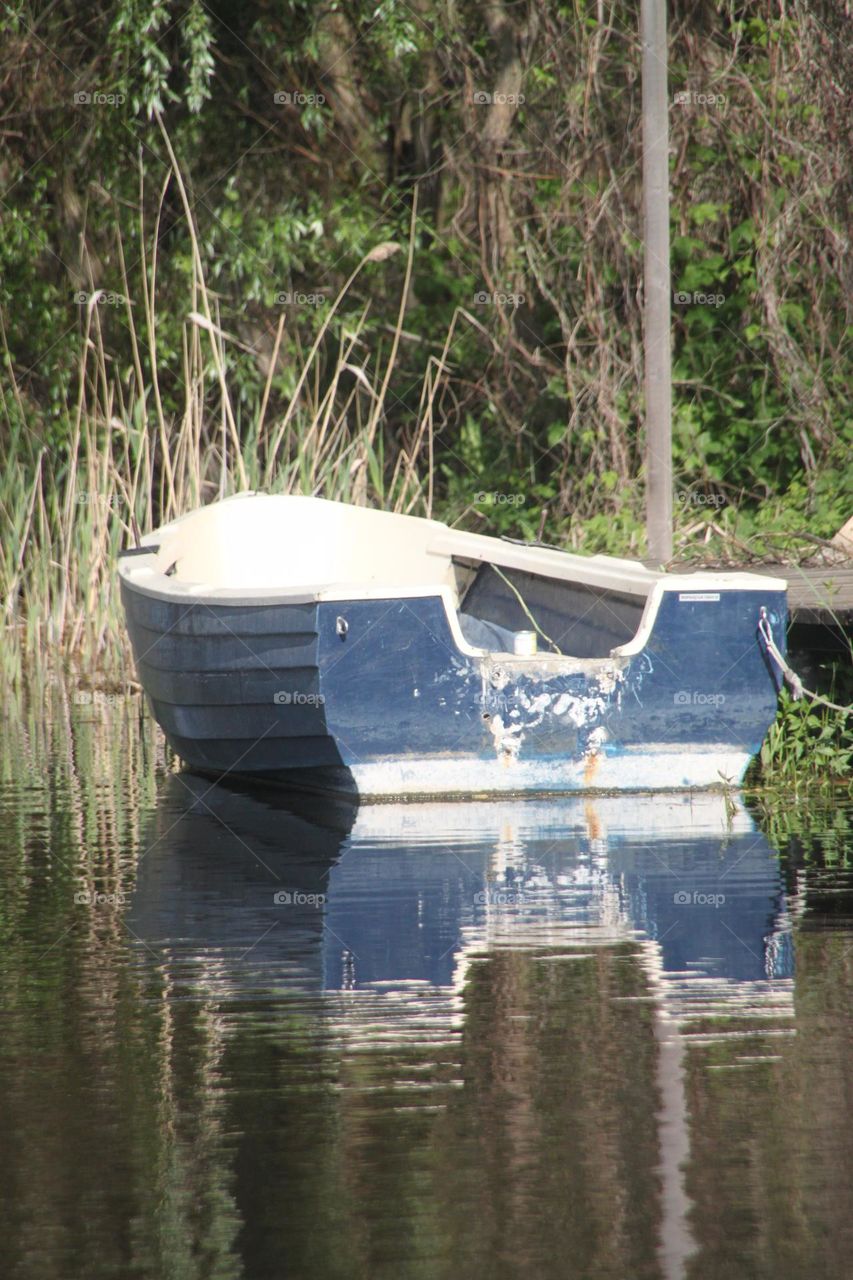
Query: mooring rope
[[790, 675]]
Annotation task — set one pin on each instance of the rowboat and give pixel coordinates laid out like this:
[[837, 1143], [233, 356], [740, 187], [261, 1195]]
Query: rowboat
[[321, 645]]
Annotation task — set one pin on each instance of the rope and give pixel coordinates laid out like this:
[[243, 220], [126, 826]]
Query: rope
[[796, 684], [527, 612]]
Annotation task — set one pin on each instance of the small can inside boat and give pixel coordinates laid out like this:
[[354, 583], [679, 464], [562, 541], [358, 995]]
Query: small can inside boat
[[322, 645]]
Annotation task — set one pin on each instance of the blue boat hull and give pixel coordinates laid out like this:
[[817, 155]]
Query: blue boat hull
[[374, 697]]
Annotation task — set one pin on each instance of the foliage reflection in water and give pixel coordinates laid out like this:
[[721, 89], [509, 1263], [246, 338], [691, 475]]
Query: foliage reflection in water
[[256, 1037]]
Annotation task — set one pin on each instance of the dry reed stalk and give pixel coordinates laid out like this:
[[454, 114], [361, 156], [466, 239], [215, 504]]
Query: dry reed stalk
[[198, 269], [377, 254], [395, 341]]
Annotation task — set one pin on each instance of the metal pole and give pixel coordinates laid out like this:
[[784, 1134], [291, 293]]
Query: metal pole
[[656, 282]]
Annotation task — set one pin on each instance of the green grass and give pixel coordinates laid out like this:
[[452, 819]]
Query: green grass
[[808, 745]]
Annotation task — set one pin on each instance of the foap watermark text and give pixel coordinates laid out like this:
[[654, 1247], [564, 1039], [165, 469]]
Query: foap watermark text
[[695, 898], [493, 499], [688, 499], [698, 98], [696, 698], [286, 98], [698, 298]]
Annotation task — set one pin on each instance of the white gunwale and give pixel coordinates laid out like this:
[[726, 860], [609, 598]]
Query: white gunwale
[[239, 552]]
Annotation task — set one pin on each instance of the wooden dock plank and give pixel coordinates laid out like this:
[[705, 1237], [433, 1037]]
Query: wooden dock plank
[[816, 593]]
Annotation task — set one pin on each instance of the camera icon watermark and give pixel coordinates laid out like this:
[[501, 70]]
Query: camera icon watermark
[[284, 98], [695, 898], [296, 898], [295, 698], [484, 499], [498, 898], [684, 298], [696, 698], [296, 298], [482, 98], [498, 299], [82, 98], [100, 297], [86, 498], [91, 898], [96, 698], [694, 98], [686, 498]]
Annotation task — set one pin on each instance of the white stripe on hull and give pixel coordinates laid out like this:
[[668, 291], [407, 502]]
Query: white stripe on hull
[[646, 770]]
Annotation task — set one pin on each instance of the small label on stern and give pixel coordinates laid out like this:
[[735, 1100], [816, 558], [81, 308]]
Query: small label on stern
[[699, 597]]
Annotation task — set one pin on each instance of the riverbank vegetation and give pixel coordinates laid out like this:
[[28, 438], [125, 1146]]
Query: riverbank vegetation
[[392, 254]]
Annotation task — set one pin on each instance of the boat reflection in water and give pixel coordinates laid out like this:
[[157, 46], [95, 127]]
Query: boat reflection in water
[[522, 977], [322, 895]]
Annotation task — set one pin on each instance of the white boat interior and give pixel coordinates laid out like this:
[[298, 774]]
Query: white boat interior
[[258, 548]]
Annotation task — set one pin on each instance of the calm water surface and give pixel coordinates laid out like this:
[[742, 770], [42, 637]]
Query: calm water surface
[[248, 1036]]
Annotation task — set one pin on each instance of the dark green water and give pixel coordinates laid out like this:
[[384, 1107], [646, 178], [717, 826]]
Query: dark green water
[[243, 1037]]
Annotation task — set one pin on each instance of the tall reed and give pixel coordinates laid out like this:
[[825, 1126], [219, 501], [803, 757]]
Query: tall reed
[[125, 464]]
